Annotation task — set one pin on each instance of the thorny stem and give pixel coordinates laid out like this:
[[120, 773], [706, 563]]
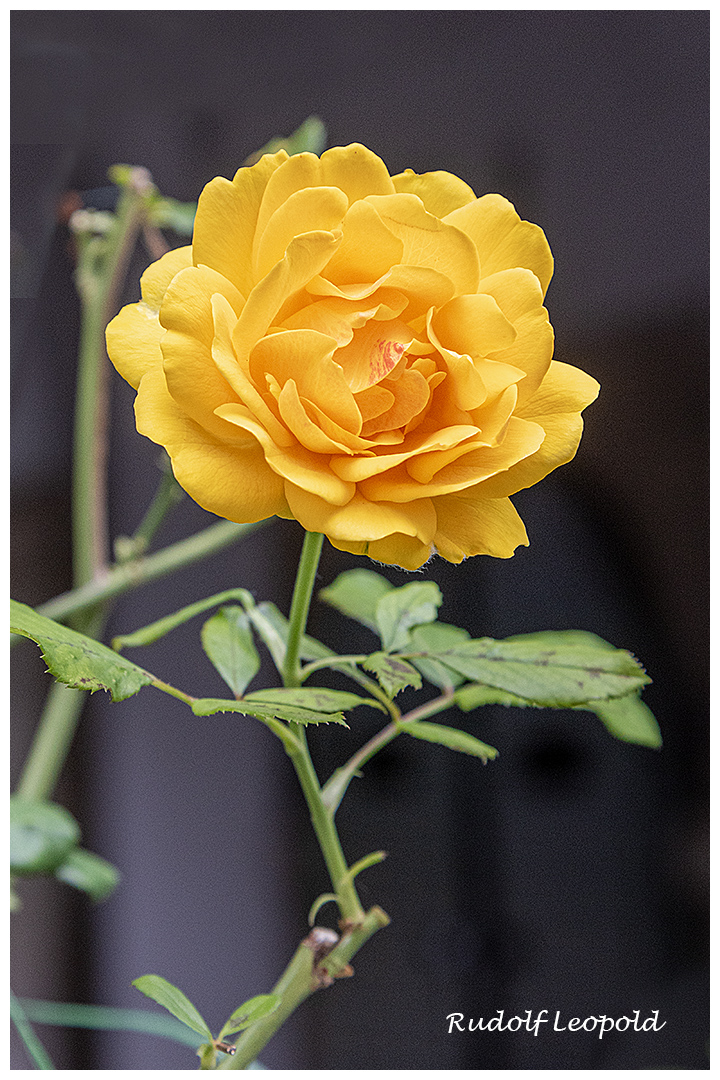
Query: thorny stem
[[143, 569], [320, 958], [98, 283]]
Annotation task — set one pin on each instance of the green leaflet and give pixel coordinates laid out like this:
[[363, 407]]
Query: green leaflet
[[147, 635], [42, 835], [401, 609], [475, 695], [629, 719], [250, 1011], [77, 660], [392, 673], [228, 642], [550, 671], [90, 873], [266, 711], [172, 999], [626, 718], [317, 699], [450, 737], [433, 638], [356, 593]]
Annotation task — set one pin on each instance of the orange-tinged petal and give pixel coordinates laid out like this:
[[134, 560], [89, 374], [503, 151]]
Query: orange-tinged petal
[[306, 356], [361, 520], [441, 192], [492, 422], [357, 469], [522, 439], [306, 431], [226, 220], [338, 317], [411, 394], [471, 525], [318, 209], [502, 239], [307, 470], [474, 325], [373, 401], [429, 242], [374, 351], [226, 478], [237, 377], [133, 341], [346, 439], [396, 550]]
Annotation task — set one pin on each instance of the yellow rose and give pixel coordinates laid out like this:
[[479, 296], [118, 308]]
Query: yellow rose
[[366, 353]]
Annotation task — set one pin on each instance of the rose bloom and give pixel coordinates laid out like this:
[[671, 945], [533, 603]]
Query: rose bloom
[[366, 353]]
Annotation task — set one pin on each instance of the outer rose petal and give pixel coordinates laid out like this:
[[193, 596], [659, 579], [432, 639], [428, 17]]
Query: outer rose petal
[[471, 525], [441, 192], [429, 242], [192, 376], [133, 342], [133, 337], [360, 519], [232, 481], [154, 282], [502, 239], [226, 219], [556, 406], [396, 550]]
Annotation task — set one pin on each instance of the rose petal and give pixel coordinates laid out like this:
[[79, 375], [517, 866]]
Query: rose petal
[[471, 525], [441, 192], [473, 325], [307, 470], [318, 209], [429, 242], [226, 220], [230, 479], [502, 239], [359, 519]]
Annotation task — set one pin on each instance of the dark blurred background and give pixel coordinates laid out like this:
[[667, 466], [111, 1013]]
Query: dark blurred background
[[570, 874]]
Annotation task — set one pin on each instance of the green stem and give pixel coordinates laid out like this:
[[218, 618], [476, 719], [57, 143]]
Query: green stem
[[52, 742], [98, 284], [168, 494], [302, 594], [98, 281], [348, 901], [311, 968], [34, 1047], [350, 907], [141, 571]]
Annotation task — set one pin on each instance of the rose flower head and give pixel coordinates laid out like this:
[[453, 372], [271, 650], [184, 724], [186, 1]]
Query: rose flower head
[[366, 353]]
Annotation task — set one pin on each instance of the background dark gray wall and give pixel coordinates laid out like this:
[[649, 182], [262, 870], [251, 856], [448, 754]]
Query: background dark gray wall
[[571, 873]]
